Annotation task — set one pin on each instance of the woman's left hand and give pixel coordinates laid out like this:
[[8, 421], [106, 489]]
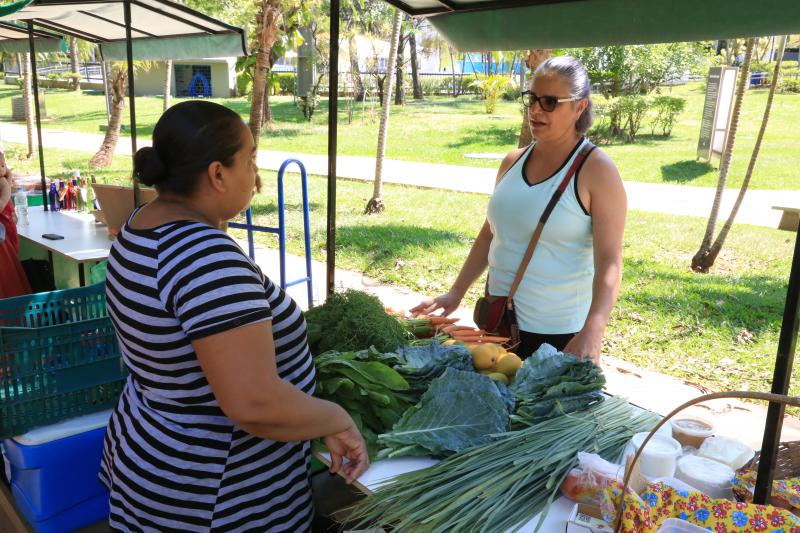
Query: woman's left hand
[[586, 345]]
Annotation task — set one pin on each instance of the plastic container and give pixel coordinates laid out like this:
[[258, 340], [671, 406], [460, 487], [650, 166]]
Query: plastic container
[[692, 430], [68, 367], [21, 207], [676, 525], [55, 483], [726, 450], [659, 457], [710, 477]]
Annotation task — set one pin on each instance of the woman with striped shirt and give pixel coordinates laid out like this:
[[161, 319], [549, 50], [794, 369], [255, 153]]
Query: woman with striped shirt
[[211, 431]]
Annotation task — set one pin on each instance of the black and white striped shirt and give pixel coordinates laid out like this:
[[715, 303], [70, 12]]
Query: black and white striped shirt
[[172, 460]]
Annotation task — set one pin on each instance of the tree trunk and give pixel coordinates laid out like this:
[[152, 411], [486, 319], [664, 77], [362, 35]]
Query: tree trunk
[[266, 117], [359, 92], [533, 59], [708, 260], [412, 42], [75, 65], [400, 89], [266, 36], [376, 205], [167, 84], [700, 258], [27, 98], [105, 155], [453, 71]]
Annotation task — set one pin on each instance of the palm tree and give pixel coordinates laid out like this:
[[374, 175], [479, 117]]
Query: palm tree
[[375, 204], [700, 261], [533, 58], [75, 65], [27, 97], [708, 260], [269, 13], [116, 83], [167, 83]]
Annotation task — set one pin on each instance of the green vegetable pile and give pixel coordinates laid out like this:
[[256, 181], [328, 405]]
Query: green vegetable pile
[[459, 410], [551, 383], [353, 320], [368, 389], [503, 484]]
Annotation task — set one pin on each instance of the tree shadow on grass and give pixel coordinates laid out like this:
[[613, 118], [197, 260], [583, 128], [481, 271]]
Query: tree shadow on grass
[[382, 245], [752, 301], [684, 171], [489, 134], [270, 208]]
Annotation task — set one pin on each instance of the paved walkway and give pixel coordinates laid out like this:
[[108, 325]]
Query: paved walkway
[[662, 198]]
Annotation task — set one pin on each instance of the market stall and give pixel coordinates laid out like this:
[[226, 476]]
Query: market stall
[[519, 24]]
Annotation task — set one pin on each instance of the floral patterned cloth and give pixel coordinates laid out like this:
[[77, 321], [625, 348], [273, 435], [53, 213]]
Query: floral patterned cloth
[[646, 513], [785, 492]]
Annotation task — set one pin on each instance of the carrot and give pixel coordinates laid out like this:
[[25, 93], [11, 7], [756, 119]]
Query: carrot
[[472, 332], [453, 327], [461, 335], [498, 340], [437, 320]]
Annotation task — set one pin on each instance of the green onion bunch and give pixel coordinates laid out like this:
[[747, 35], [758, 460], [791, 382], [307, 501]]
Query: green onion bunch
[[501, 485]]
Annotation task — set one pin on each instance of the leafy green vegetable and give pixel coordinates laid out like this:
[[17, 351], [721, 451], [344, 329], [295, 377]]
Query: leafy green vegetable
[[552, 383], [352, 320], [459, 410], [372, 392], [423, 363]]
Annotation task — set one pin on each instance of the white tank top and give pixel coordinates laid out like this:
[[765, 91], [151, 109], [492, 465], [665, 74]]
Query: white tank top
[[556, 291]]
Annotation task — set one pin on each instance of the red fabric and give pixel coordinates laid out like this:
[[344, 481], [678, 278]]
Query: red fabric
[[13, 281], [7, 219]]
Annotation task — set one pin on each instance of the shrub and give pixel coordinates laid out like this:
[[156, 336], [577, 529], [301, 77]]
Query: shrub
[[667, 109], [790, 85], [625, 116], [491, 87], [283, 82], [511, 93], [244, 83]]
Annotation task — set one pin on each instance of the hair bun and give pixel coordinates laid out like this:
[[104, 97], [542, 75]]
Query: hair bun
[[148, 167]]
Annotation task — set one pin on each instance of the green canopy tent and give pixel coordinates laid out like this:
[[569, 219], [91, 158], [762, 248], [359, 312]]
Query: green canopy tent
[[472, 25], [126, 30]]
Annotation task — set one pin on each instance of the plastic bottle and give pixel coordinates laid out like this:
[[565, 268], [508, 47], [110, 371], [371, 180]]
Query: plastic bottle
[[69, 199], [62, 194], [53, 195], [21, 206], [84, 203]]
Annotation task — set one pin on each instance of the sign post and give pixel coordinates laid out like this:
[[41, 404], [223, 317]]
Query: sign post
[[717, 112]]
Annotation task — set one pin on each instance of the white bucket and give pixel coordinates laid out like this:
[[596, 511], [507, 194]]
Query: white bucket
[[660, 455]]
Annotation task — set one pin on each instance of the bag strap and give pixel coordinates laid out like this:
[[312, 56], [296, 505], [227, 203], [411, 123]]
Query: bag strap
[[526, 259]]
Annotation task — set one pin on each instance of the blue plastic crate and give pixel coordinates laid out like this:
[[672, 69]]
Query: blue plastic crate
[[64, 361], [55, 484]]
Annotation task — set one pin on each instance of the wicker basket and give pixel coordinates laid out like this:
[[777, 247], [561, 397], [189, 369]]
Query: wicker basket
[[788, 463]]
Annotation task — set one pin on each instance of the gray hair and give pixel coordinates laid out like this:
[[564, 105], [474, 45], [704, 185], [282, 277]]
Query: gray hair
[[574, 73]]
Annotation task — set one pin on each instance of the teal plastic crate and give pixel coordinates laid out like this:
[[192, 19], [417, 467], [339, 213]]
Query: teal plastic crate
[[69, 367], [55, 307]]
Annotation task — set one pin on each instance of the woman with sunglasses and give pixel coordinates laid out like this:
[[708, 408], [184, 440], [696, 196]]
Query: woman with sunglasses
[[570, 286]]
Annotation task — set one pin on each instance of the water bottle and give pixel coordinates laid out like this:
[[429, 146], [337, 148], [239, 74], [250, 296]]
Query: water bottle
[[21, 206]]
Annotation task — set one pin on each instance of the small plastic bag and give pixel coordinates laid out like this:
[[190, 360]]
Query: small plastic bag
[[586, 483]]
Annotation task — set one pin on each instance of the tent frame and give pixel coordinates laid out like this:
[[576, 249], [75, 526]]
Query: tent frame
[[82, 34], [791, 314]]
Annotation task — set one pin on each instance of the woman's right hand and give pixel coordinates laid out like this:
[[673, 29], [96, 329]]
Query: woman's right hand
[[446, 302], [348, 444]]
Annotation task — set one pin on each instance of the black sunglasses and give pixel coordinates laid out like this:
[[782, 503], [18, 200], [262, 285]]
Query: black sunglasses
[[547, 103]]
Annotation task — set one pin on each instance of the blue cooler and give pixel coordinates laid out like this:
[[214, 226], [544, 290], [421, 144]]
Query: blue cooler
[[54, 474]]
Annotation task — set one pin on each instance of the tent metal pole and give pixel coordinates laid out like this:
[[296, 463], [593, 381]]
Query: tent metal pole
[[35, 77], [780, 382], [333, 132], [131, 95]]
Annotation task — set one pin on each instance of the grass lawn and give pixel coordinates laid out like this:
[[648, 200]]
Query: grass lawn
[[719, 330], [443, 130]]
